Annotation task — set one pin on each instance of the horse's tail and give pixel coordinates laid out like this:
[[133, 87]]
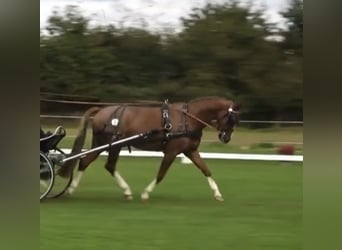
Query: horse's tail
[[77, 147]]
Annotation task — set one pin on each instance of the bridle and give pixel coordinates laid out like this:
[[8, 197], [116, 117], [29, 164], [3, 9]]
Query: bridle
[[229, 114]]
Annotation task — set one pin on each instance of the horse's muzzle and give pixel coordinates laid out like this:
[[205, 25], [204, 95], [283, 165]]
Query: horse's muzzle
[[224, 137]]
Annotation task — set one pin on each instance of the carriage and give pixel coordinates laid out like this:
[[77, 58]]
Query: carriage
[[52, 159], [50, 156]]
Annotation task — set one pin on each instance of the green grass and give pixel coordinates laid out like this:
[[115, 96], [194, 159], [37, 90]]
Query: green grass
[[262, 209]]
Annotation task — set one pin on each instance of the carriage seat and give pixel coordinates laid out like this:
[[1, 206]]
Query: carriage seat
[[51, 141]]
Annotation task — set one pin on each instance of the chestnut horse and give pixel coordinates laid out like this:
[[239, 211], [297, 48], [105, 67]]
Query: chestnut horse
[[180, 125]]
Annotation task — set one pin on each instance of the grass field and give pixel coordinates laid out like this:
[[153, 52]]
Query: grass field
[[262, 209]]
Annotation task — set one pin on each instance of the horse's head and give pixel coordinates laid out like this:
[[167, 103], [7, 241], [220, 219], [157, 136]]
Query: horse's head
[[226, 122]]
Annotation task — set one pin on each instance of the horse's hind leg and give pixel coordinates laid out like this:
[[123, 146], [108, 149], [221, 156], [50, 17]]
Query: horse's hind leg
[[195, 157], [111, 168], [83, 164], [164, 166]]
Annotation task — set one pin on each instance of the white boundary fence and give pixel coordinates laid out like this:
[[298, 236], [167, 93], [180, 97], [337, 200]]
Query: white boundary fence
[[218, 156], [206, 155]]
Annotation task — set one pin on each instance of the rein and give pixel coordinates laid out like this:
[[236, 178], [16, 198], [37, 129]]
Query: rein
[[230, 110], [196, 118]]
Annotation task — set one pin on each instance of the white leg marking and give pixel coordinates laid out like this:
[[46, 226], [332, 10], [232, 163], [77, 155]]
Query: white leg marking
[[214, 187], [75, 182], [123, 185], [148, 189]]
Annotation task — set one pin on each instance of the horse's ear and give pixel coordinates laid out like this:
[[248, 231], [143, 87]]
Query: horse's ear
[[237, 107]]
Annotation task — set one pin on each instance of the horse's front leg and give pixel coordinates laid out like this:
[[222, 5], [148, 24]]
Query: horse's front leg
[[164, 166], [195, 157]]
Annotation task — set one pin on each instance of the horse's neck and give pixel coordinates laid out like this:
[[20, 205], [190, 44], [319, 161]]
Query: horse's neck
[[208, 111]]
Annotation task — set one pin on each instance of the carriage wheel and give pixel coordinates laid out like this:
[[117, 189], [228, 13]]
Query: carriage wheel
[[46, 176], [60, 184]]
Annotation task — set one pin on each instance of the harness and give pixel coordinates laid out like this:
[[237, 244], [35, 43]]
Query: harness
[[166, 123], [182, 131], [114, 124]]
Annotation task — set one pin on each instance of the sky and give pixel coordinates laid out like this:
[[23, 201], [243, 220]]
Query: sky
[[158, 14]]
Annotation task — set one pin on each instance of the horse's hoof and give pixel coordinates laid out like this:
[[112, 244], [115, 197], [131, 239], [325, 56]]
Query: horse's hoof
[[219, 198], [145, 197], [69, 192], [129, 197], [145, 201]]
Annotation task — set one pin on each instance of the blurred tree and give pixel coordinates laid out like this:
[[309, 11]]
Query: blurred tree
[[227, 48], [222, 50], [72, 22], [292, 48], [293, 15], [63, 52]]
